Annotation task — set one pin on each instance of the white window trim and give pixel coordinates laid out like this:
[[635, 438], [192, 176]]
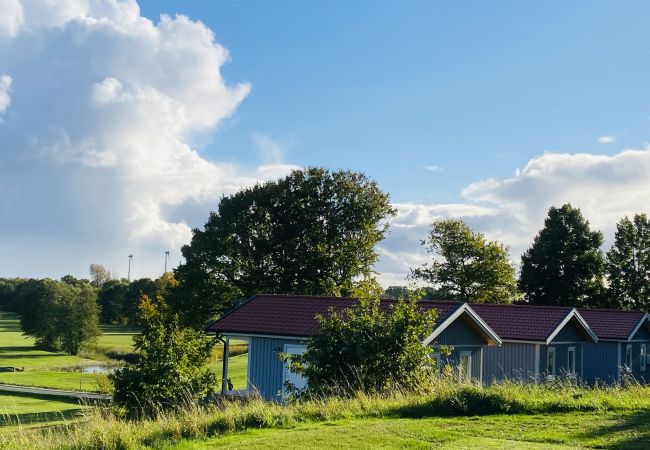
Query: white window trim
[[467, 377], [435, 356], [571, 370], [550, 350], [644, 357], [286, 348], [628, 351]]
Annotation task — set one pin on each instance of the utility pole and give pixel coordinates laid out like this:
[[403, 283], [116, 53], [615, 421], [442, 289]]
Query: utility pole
[[166, 257], [129, 276]]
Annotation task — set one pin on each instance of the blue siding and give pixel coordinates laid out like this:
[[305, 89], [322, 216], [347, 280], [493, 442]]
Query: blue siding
[[460, 332], [454, 358], [636, 360], [561, 359], [601, 362], [266, 371], [571, 332], [510, 361], [642, 334]]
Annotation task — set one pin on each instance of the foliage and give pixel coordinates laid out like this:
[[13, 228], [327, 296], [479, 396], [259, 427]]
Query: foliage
[[467, 267], [313, 232], [171, 371], [60, 316], [112, 301], [628, 264], [367, 347], [565, 265], [99, 275]]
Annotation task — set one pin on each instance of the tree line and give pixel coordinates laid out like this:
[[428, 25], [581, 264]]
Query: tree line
[[61, 315]]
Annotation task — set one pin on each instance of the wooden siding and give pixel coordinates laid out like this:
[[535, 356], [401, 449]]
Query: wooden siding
[[642, 333], [266, 371], [561, 359], [601, 362], [509, 361], [571, 332], [461, 331], [454, 358]]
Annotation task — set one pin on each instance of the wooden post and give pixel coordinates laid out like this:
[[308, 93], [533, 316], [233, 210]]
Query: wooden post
[[224, 373]]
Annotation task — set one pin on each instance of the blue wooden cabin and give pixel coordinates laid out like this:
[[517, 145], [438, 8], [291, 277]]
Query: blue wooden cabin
[[489, 342]]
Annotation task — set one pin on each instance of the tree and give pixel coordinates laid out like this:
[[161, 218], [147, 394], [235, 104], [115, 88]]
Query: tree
[[143, 287], [98, 275], [60, 316], [112, 301], [368, 348], [467, 267], [565, 265], [628, 264], [313, 232], [171, 372]]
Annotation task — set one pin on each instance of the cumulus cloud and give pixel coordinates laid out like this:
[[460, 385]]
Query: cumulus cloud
[[98, 157], [512, 210], [606, 139]]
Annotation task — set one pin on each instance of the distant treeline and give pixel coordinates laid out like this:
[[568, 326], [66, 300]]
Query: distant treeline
[[63, 314]]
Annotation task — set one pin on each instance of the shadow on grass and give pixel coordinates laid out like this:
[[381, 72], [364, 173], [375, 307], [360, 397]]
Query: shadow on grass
[[631, 431], [39, 417]]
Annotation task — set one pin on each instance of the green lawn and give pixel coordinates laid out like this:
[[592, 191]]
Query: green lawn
[[24, 410], [50, 369], [630, 430]]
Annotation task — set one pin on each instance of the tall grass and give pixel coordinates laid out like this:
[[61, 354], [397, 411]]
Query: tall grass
[[101, 429]]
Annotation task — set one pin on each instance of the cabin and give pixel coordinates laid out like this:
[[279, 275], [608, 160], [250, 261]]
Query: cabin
[[538, 342], [275, 324], [489, 342], [623, 344]]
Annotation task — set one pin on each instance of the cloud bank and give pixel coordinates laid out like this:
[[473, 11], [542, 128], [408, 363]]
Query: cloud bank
[[512, 210], [100, 110]]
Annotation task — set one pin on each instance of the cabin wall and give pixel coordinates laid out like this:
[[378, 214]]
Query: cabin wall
[[601, 363], [266, 370], [514, 361]]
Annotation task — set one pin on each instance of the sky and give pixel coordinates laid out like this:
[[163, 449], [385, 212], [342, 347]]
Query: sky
[[122, 123]]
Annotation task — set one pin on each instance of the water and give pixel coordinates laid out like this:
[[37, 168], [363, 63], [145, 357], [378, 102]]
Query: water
[[98, 369]]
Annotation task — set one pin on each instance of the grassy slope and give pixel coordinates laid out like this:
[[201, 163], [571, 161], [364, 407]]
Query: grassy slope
[[24, 410], [630, 430]]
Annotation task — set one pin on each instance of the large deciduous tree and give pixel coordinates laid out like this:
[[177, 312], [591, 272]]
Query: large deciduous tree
[[467, 266], [313, 232], [565, 265], [628, 264]]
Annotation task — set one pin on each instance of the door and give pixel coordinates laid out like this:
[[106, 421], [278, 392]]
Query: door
[[295, 379]]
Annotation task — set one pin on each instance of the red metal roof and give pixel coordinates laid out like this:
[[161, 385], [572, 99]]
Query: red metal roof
[[522, 322], [295, 315], [612, 323]]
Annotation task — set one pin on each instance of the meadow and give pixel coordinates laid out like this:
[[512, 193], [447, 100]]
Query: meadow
[[451, 415]]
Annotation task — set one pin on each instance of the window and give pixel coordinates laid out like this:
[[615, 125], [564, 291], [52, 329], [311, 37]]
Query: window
[[571, 361], [628, 356], [465, 368], [550, 361], [643, 358], [298, 381], [435, 357]]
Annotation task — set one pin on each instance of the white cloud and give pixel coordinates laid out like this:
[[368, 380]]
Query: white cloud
[[97, 158], [606, 139], [5, 92], [270, 150], [433, 168], [512, 210]]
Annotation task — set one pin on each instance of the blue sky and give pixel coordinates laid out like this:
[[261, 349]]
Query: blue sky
[[122, 123], [475, 88]]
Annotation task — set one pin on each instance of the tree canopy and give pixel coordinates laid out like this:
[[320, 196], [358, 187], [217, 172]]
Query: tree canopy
[[565, 265], [466, 266], [628, 264], [313, 232]]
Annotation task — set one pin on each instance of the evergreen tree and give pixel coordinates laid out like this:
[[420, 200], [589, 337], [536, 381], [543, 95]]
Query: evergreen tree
[[565, 265], [628, 264]]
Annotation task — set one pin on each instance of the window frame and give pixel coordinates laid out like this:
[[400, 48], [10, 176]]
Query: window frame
[[462, 376], [571, 370], [435, 356], [643, 353], [551, 351]]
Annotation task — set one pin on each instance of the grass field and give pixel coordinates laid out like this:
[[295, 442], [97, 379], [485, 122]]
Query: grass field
[[29, 410], [520, 431], [55, 370]]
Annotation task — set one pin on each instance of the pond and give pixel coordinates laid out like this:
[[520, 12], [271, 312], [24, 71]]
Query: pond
[[98, 369]]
